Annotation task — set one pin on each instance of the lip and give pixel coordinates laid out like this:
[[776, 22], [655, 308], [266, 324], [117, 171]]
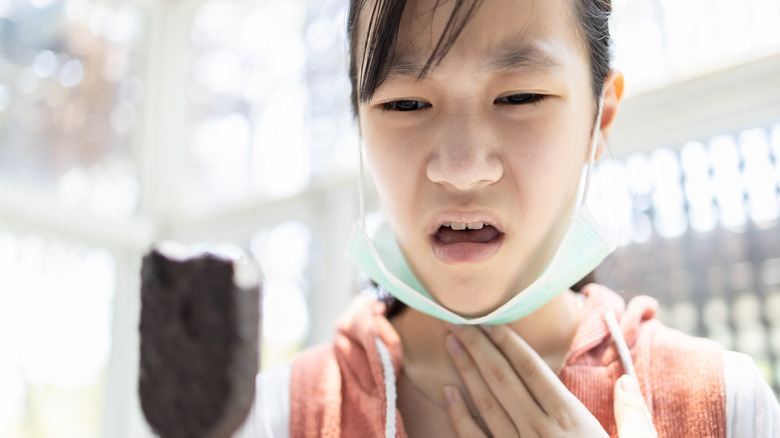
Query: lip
[[465, 252]]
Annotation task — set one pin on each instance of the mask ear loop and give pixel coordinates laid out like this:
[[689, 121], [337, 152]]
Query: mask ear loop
[[362, 189], [583, 196]]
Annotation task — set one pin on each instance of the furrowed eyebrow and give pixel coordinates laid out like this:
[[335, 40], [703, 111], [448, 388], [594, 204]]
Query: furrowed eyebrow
[[516, 58], [405, 67], [507, 60]]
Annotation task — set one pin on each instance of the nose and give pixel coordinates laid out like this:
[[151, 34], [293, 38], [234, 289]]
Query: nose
[[466, 156]]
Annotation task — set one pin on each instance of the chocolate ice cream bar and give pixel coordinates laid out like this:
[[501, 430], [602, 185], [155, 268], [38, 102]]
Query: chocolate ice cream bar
[[199, 342]]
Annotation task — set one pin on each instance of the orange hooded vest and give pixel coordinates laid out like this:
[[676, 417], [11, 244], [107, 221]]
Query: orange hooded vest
[[340, 389]]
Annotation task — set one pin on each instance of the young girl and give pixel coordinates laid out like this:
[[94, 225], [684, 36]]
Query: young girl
[[478, 118]]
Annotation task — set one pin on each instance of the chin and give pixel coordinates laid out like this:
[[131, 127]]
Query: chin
[[470, 297]]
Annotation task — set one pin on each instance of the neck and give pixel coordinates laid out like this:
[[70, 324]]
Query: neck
[[427, 367], [549, 331]]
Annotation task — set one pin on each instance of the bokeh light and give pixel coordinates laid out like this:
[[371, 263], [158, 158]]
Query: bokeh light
[[284, 252], [55, 334], [660, 42], [280, 66], [725, 181], [70, 88]]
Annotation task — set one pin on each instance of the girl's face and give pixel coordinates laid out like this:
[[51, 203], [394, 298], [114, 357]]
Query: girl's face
[[493, 137]]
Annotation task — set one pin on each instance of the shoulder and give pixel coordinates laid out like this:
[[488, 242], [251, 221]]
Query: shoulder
[[674, 347], [270, 413], [296, 388], [752, 409], [314, 374]]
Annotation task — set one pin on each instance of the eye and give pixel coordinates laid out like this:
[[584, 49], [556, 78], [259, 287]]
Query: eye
[[521, 99], [405, 105]]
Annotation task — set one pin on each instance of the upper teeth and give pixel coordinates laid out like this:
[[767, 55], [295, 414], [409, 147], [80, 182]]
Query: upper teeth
[[459, 226]]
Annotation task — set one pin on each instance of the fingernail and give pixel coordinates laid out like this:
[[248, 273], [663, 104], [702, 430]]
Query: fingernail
[[486, 328], [454, 345], [449, 395], [628, 383]]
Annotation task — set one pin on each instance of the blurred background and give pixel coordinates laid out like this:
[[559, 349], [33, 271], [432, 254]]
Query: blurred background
[[123, 122]]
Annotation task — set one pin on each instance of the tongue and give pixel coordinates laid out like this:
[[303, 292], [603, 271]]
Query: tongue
[[485, 235]]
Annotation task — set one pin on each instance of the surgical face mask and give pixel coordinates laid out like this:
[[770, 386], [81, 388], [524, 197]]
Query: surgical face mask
[[584, 246]]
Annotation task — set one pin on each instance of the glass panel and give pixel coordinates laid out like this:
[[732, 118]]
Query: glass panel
[[707, 244], [69, 94], [727, 181], [283, 252], [658, 42], [55, 329], [269, 111]]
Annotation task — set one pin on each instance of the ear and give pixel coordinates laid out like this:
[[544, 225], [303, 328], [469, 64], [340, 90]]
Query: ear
[[613, 93]]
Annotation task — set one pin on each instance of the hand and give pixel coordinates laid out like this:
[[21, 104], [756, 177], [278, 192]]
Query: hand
[[517, 394], [631, 414]]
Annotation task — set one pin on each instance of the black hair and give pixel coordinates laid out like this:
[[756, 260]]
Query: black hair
[[381, 34], [593, 19], [380, 38]]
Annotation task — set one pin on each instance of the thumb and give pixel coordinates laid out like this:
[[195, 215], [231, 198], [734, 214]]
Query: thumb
[[631, 414]]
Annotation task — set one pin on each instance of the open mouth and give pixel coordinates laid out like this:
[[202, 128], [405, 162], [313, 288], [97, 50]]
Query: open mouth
[[460, 232], [466, 242]]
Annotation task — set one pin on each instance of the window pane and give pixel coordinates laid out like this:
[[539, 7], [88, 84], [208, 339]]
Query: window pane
[[707, 244], [69, 93], [284, 252], [55, 329], [269, 112], [658, 42]]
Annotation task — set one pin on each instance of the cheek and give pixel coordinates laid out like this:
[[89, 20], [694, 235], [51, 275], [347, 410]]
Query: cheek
[[392, 164], [396, 164], [544, 156]]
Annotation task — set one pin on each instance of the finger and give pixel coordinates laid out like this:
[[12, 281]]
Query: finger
[[541, 382], [631, 414], [493, 368], [460, 417], [491, 411]]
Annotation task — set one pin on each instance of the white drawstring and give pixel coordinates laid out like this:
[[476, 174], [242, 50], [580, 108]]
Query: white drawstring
[[624, 352], [362, 189], [390, 394], [620, 342], [594, 140]]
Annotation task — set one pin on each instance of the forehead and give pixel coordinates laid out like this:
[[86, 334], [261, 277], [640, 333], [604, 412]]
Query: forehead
[[499, 34]]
